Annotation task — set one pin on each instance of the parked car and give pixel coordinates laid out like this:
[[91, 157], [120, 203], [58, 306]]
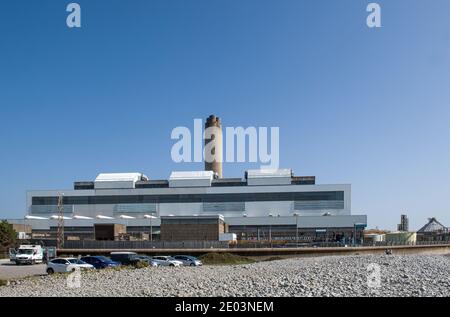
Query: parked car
[[80, 263], [125, 258], [131, 258], [100, 262], [188, 260], [64, 265], [147, 259], [166, 261]]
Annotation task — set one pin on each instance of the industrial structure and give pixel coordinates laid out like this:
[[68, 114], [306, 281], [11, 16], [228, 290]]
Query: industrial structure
[[433, 231], [404, 223], [263, 205], [213, 145]]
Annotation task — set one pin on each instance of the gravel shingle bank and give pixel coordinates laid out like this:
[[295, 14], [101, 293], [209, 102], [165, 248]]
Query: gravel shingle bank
[[326, 276]]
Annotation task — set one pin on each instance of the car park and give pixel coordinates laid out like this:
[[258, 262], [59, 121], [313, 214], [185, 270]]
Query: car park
[[100, 262], [164, 260], [188, 260], [64, 265]]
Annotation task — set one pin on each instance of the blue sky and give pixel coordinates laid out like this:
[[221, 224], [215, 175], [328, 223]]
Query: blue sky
[[370, 107]]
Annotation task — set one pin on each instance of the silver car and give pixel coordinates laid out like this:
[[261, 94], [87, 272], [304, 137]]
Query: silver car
[[147, 259], [164, 260], [188, 260]]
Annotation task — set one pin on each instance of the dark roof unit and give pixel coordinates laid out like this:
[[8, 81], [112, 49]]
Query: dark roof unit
[[83, 185], [303, 180], [152, 184], [225, 182]]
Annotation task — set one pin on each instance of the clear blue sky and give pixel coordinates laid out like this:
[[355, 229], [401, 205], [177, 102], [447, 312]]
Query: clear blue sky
[[354, 105]]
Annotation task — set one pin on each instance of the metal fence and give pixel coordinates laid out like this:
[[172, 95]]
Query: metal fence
[[141, 244], [256, 245], [403, 243], [90, 244]]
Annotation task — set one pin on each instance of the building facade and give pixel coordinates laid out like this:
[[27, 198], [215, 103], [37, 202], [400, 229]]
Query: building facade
[[189, 228], [263, 205]]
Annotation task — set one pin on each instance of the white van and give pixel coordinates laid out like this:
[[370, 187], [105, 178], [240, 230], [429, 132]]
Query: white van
[[29, 254]]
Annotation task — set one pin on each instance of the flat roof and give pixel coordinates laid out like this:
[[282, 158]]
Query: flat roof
[[119, 177], [185, 175], [263, 173]]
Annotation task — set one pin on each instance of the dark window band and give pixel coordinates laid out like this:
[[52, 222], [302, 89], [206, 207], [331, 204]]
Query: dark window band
[[190, 198]]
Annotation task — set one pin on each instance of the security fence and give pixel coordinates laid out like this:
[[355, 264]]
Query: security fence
[[300, 244], [91, 244], [145, 244]]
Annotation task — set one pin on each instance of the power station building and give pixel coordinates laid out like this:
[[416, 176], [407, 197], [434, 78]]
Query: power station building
[[263, 205]]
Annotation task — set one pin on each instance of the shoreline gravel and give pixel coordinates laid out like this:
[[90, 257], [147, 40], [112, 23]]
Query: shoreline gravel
[[336, 276]]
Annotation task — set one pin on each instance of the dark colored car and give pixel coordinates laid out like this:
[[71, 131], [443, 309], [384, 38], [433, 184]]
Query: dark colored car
[[125, 258], [100, 262]]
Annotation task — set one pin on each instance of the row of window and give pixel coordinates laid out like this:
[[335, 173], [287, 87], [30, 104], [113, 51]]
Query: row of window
[[222, 207], [319, 205], [191, 198]]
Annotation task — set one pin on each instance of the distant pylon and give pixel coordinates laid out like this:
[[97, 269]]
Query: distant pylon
[[60, 232]]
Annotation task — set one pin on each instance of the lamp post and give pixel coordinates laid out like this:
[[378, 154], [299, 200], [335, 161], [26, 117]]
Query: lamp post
[[296, 228], [244, 233], [270, 230], [151, 226], [25, 224], [126, 221], [355, 232]]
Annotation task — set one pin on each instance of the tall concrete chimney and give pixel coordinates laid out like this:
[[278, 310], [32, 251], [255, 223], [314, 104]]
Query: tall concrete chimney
[[213, 151]]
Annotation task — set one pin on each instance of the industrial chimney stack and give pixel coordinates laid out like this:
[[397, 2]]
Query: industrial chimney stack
[[211, 163]]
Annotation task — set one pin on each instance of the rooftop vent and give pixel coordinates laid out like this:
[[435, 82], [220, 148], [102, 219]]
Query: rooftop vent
[[191, 179], [118, 180], [268, 177]]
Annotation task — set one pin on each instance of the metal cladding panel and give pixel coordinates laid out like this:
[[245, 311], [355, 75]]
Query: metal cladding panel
[[190, 183], [253, 208], [303, 221], [114, 184], [264, 181], [319, 205], [332, 221], [191, 175], [270, 173], [269, 177], [180, 209], [117, 177], [117, 180], [46, 224], [191, 179], [224, 207], [193, 190]]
